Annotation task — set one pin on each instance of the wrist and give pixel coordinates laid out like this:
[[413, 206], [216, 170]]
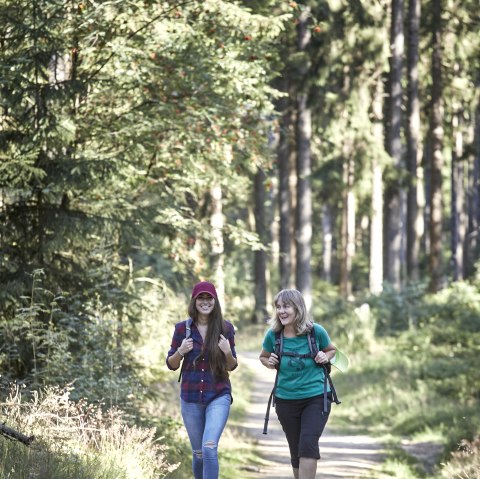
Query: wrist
[[180, 353]]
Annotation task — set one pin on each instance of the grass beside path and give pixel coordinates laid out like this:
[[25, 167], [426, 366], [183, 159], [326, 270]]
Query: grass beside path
[[384, 397]]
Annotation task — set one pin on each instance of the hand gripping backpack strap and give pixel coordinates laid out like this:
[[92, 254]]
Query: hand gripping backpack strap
[[271, 399], [188, 333]]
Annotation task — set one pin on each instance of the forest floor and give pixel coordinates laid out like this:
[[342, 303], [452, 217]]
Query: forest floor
[[343, 456]]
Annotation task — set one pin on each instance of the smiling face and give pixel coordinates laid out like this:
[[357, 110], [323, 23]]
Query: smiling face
[[204, 304], [285, 312]]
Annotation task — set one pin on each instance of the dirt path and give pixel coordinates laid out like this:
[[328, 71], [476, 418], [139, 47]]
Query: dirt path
[[343, 456]]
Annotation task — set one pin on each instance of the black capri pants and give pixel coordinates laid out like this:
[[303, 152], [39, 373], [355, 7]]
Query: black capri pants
[[303, 421]]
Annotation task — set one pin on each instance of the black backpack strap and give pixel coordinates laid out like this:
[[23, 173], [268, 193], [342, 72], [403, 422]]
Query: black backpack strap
[[188, 333], [271, 400], [326, 370], [312, 342], [278, 350]]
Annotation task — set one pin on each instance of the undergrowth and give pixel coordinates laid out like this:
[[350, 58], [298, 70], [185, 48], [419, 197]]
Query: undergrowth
[[76, 440], [414, 378]]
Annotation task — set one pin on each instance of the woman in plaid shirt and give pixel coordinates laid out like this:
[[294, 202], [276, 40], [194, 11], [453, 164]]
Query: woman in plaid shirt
[[206, 394]]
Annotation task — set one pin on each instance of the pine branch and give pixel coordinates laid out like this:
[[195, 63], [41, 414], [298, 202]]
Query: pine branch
[[131, 35]]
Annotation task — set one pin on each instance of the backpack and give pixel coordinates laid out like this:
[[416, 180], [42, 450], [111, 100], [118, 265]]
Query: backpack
[[188, 333], [312, 344]]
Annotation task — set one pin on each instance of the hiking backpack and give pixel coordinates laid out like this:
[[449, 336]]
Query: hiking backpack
[[312, 344], [188, 333]]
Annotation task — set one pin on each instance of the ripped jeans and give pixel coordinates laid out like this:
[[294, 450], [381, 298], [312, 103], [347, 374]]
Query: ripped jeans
[[205, 424]]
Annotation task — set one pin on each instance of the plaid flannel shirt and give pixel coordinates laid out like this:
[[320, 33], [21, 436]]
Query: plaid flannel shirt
[[198, 384]]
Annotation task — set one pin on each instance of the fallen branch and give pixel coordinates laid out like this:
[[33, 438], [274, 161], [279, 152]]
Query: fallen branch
[[15, 435]]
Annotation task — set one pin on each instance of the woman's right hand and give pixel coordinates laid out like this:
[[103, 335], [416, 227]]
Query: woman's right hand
[[272, 361], [186, 346]]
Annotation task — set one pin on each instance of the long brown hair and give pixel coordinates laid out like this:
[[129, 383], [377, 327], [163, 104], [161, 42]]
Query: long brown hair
[[216, 327]]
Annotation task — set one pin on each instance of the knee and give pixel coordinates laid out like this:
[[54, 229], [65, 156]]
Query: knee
[[198, 453], [209, 448], [308, 446]]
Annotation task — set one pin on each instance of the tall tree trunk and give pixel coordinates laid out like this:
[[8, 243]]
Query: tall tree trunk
[[415, 223], [436, 158], [458, 198], [376, 221], [327, 228], [217, 247], [348, 223], [474, 196], [395, 196], [260, 260], [303, 274], [284, 197]]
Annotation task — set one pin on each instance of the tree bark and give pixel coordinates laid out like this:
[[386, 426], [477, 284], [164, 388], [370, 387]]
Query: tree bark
[[217, 246], [474, 196], [395, 194], [303, 274], [376, 221], [327, 228], [415, 223], [260, 261], [458, 233], [348, 223], [436, 158], [284, 196]]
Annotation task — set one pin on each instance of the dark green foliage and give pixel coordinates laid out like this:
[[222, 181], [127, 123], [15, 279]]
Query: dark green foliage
[[44, 344], [397, 311], [115, 121]]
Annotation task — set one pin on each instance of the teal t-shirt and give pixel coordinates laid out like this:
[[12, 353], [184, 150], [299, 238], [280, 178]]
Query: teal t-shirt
[[299, 378]]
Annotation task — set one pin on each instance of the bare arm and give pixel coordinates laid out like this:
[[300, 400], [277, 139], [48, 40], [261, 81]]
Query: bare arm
[[326, 354], [176, 358], [269, 360]]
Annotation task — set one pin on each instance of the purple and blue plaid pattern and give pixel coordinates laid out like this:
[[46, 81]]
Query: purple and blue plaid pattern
[[198, 384]]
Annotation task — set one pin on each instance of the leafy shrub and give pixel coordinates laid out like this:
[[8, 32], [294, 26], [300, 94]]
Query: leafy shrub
[[396, 311]]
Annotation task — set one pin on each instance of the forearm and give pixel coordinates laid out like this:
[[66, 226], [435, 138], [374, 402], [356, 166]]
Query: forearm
[[264, 361], [231, 361], [330, 353], [175, 360]]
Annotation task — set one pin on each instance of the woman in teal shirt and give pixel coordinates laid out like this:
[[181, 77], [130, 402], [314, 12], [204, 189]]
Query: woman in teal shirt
[[300, 385]]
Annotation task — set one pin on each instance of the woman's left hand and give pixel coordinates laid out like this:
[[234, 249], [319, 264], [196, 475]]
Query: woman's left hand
[[224, 344], [321, 358]]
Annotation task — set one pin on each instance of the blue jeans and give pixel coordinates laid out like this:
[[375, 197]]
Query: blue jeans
[[205, 424]]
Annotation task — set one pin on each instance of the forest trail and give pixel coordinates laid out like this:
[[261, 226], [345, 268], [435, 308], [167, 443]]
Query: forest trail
[[343, 456]]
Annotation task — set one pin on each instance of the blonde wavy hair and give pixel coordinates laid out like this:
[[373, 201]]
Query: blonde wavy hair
[[302, 323]]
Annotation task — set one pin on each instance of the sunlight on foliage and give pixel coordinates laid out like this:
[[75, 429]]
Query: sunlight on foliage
[[464, 463], [77, 439]]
